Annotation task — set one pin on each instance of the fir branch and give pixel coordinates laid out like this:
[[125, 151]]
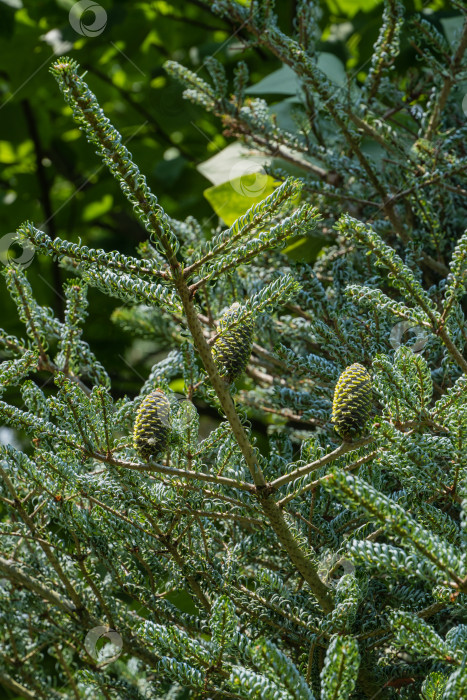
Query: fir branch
[[257, 216], [54, 562], [129, 287], [99, 130], [312, 486], [292, 54], [16, 687], [449, 80], [340, 669], [12, 570], [456, 285], [112, 260], [173, 471], [386, 47], [431, 547], [304, 219], [317, 464], [402, 278]]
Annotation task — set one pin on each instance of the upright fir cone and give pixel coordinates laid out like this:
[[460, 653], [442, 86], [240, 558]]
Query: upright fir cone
[[152, 425], [352, 402], [232, 350]]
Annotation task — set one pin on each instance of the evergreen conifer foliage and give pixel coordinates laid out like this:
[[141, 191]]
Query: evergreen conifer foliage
[[316, 568]]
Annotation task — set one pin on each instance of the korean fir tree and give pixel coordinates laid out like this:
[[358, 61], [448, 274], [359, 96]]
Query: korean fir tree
[[331, 562]]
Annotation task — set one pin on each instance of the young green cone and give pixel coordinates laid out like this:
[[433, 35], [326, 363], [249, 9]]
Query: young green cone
[[352, 402], [152, 425], [232, 349]]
